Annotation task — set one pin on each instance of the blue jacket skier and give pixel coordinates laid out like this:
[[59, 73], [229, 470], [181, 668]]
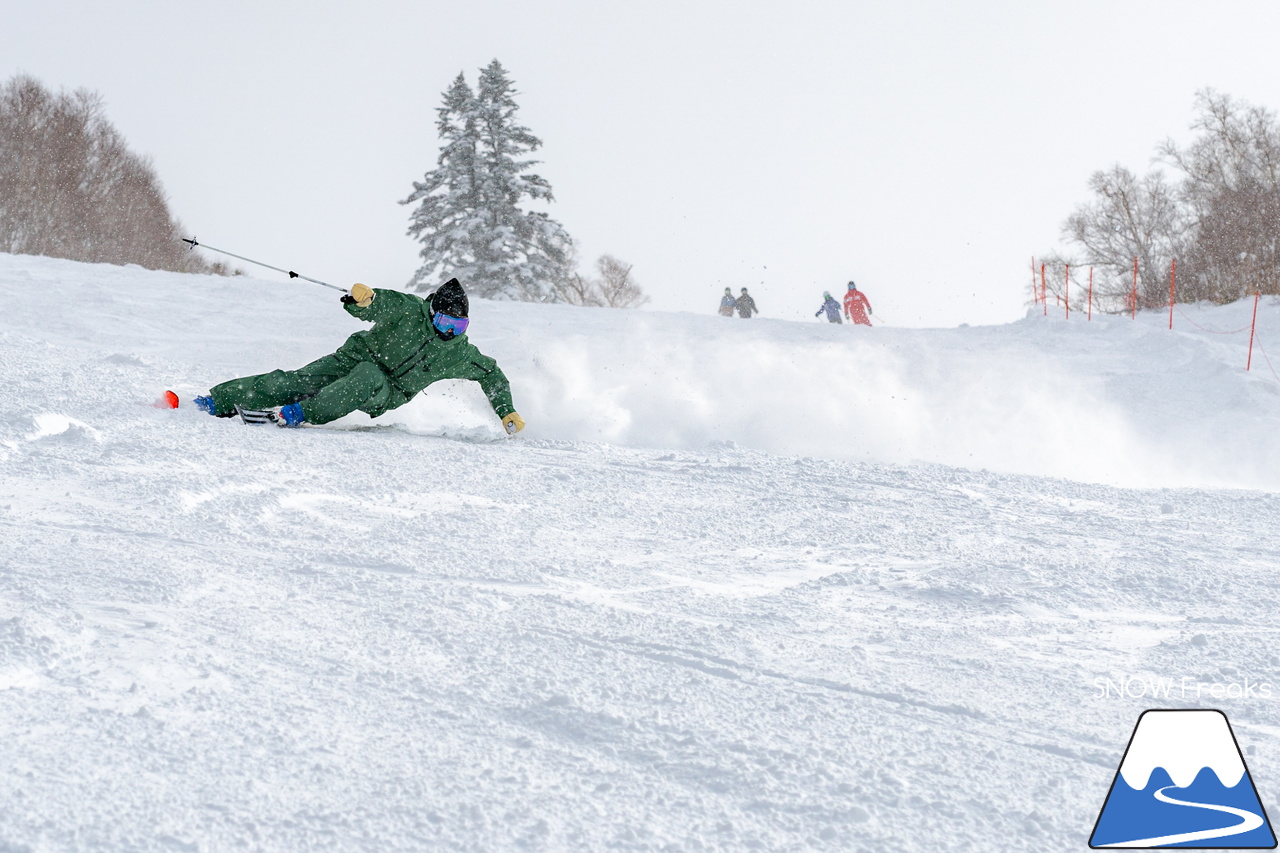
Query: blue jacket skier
[[831, 307]]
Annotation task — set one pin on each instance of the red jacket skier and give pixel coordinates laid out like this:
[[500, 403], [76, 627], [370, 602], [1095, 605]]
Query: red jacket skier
[[856, 306]]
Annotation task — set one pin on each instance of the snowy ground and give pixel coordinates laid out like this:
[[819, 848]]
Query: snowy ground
[[740, 585]]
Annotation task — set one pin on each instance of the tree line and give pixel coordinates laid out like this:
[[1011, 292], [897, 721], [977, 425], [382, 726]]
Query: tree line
[[1217, 214], [71, 188]]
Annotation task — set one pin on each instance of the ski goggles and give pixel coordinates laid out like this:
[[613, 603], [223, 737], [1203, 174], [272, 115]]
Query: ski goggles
[[447, 324]]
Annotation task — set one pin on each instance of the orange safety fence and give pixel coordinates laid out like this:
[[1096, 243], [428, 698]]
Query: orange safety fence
[[1042, 297]]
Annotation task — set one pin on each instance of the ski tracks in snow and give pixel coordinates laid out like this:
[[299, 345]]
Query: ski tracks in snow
[[569, 644]]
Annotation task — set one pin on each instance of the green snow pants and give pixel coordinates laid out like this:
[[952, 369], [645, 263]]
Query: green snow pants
[[328, 388]]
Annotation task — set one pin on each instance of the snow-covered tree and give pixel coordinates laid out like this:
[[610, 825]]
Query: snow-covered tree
[[469, 217], [447, 220]]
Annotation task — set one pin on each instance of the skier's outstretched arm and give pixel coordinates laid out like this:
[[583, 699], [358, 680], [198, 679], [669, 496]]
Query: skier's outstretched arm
[[378, 305], [497, 389]]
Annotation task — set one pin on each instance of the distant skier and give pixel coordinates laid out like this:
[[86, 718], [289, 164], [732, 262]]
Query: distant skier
[[856, 306], [746, 305], [727, 303], [413, 343], [831, 307]]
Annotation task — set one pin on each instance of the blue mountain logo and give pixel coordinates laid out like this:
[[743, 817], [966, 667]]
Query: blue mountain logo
[[1183, 783]]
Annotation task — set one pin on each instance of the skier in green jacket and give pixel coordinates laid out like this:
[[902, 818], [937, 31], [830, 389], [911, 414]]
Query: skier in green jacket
[[413, 342]]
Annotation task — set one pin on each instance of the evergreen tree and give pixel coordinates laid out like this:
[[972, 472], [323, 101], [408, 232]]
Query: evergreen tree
[[469, 219], [448, 220]]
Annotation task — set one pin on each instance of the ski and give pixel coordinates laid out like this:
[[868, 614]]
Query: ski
[[257, 416]]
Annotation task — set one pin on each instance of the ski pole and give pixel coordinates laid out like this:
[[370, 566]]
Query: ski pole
[[289, 273]]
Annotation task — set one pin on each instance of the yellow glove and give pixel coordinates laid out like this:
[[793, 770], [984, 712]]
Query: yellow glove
[[513, 423], [362, 294]]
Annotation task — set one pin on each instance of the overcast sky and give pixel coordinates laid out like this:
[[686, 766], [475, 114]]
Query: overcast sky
[[925, 149]]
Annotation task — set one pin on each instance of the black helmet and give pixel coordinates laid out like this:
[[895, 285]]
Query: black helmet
[[451, 302], [744, 290], [450, 299]]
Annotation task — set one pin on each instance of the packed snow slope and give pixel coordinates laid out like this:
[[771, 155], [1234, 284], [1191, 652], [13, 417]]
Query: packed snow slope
[[739, 585]]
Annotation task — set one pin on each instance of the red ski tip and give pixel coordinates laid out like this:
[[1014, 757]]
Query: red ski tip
[[168, 401]]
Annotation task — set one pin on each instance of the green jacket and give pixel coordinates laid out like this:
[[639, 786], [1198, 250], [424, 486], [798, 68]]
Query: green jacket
[[404, 343]]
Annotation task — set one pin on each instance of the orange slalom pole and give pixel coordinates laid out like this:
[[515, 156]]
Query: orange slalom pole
[[1252, 326], [1090, 294], [1066, 290], [1173, 277]]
